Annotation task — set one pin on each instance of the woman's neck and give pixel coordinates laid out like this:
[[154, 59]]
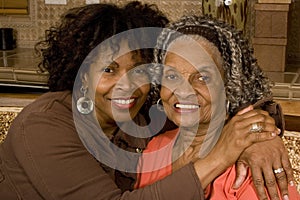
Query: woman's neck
[[196, 134], [188, 145], [108, 126]]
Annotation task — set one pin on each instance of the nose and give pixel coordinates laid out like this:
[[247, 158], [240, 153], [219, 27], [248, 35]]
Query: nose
[[124, 83], [184, 90]]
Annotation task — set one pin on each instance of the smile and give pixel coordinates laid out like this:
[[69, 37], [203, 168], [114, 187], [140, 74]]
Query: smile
[[186, 107], [123, 103]]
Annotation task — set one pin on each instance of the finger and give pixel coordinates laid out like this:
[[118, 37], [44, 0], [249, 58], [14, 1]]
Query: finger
[[241, 174], [271, 183], [282, 183], [258, 182], [247, 109], [254, 112], [255, 116], [265, 127], [265, 123], [260, 137], [286, 164]]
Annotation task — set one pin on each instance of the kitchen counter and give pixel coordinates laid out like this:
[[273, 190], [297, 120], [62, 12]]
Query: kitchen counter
[[285, 85], [21, 82], [19, 67]]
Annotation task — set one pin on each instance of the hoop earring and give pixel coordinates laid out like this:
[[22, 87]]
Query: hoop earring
[[84, 104], [227, 106], [159, 105]]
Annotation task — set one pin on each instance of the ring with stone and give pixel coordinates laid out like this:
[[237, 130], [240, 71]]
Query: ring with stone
[[279, 170], [256, 127]]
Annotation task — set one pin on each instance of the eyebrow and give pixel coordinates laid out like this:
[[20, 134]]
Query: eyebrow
[[207, 68], [114, 64]]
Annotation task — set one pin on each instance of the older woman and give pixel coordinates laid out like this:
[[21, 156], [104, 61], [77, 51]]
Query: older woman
[[206, 63]]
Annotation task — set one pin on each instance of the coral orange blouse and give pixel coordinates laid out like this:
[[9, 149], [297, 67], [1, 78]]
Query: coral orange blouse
[[158, 156]]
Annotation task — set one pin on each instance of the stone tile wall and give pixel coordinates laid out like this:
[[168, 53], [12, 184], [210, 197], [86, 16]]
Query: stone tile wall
[[30, 28]]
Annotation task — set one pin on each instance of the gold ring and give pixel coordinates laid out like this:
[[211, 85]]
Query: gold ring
[[256, 127], [279, 170]]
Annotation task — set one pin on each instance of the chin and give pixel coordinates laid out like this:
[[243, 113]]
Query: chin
[[120, 118], [186, 122], [123, 116]]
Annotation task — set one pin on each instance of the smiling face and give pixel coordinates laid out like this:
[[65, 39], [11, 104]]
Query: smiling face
[[120, 84], [191, 82]]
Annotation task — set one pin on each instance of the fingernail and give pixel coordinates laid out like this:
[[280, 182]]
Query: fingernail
[[286, 197], [273, 134], [279, 130], [291, 183]]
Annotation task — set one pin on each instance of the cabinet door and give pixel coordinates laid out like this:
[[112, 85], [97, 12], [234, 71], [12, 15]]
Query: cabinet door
[[13, 7]]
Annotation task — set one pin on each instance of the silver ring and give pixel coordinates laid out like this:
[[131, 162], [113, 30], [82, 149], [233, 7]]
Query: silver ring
[[279, 170], [256, 127]]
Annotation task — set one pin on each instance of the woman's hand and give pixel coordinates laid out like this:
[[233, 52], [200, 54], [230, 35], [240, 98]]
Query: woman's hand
[[235, 138], [263, 158], [237, 134]]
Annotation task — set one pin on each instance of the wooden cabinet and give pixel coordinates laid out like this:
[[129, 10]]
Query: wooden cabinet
[[14, 7]]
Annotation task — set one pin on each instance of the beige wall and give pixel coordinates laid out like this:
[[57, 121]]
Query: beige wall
[[30, 28], [293, 45]]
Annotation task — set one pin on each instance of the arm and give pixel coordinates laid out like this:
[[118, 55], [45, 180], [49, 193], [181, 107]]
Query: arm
[[59, 167]]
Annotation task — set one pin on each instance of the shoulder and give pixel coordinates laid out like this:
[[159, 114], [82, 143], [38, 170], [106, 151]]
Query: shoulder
[[48, 119], [51, 102]]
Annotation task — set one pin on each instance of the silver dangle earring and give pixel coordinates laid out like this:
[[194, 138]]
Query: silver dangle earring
[[159, 105], [84, 104]]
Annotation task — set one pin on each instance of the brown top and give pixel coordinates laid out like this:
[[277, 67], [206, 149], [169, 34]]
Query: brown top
[[43, 158]]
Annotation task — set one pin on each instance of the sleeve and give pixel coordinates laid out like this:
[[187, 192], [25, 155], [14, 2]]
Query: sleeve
[[59, 167]]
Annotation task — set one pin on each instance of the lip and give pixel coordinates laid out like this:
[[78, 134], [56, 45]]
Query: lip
[[123, 103], [186, 107]]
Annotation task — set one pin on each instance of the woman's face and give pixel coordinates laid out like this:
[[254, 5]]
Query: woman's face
[[120, 84], [191, 82]]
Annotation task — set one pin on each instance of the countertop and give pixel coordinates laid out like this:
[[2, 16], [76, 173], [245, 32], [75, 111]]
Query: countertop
[[19, 67]]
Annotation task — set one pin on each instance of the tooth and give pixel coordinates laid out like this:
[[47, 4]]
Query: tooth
[[123, 101], [185, 106]]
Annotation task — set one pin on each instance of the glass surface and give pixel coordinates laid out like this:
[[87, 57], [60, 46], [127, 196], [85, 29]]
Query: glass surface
[[19, 67]]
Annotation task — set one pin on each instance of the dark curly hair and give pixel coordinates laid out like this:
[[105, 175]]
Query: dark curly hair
[[82, 29]]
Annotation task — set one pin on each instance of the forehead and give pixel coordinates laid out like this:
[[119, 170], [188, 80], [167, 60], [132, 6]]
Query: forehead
[[112, 52], [188, 51]]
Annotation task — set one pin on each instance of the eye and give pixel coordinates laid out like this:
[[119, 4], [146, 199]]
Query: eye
[[139, 71], [108, 70], [171, 77], [203, 79]]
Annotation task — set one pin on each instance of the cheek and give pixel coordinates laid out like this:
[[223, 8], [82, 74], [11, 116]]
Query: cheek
[[145, 89], [165, 93], [204, 93], [104, 86]]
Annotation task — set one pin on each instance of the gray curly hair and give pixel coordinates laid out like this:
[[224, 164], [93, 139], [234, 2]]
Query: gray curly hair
[[245, 83]]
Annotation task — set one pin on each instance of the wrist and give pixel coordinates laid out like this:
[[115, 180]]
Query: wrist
[[208, 168]]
